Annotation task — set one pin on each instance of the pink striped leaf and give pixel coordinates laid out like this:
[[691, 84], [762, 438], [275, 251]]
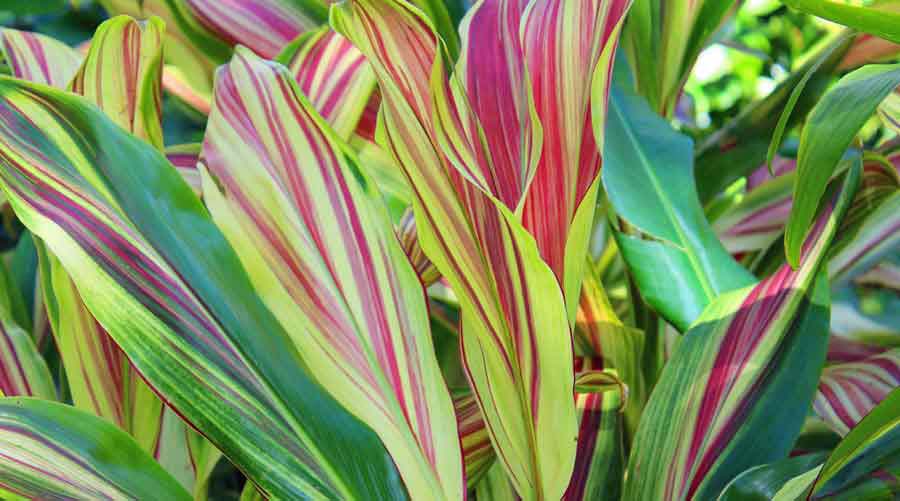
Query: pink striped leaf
[[478, 454], [265, 26], [121, 73], [22, 369], [471, 183], [54, 451], [191, 47], [310, 228], [334, 75], [712, 414], [184, 158], [39, 58], [161, 279], [848, 391], [600, 461], [409, 239]]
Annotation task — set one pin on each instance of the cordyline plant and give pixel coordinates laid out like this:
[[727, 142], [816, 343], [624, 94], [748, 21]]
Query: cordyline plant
[[426, 255]]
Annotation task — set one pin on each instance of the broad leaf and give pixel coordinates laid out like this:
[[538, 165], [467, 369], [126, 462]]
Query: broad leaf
[[709, 417], [157, 274], [39, 58], [53, 451], [648, 175], [311, 230], [761, 483], [470, 148]]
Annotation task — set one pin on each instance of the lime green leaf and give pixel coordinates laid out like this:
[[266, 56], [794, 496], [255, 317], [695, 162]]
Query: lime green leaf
[[39, 58]]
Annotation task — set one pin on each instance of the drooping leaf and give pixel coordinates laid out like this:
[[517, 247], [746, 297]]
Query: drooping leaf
[[310, 228], [823, 142], [54, 451], [709, 417], [265, 26], [848, 391], [39, 58], [880, 18], [157, 274], [681, 267]]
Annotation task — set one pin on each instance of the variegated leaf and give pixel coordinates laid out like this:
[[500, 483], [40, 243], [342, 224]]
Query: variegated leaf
[[310, 228], [848, 391], [156, 273], [708, 419], [53, 451], [22, 369], [39, 58], [470, 189]]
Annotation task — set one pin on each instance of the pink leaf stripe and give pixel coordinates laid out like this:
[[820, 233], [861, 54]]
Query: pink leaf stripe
[[189, 358], [409, 239], [478, 454], [265, 26], [848, 391], [336, 78], [470, 149], [310, 230], [599, 457], [39, 58], [22, 370]]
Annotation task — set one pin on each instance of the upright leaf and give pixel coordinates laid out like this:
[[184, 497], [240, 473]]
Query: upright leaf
[[53, 451], [648, 177], [311, 230], [824, 139], [158, 275], [710, 416]]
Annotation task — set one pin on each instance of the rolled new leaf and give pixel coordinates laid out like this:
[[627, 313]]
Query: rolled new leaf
[[157, 274], [711, 415], [54, 451]]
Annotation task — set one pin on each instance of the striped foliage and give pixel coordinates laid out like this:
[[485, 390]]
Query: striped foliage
[[53, 451], [367, 341], [504, 230], [708, 418], [22, 370], [39, 58], [197, 344], [848, 391]]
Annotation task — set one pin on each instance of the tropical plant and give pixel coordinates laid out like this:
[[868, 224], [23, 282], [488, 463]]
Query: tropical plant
[[432, 250]]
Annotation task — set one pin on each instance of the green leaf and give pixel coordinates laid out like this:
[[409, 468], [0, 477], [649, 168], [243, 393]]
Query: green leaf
[[880, 18], [740, 146], [829, 129], [53, 451], [760, 483], [870, 445], [648, 174]]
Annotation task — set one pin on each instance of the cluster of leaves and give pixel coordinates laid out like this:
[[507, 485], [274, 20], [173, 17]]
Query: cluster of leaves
[[430, 250]]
